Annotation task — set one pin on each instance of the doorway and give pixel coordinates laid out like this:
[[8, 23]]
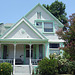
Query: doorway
[[4, 51]]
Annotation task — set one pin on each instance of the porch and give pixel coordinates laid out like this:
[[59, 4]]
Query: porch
[[22, 53]]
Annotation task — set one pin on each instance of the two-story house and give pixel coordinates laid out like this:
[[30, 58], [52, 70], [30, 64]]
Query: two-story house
[[29, 40]]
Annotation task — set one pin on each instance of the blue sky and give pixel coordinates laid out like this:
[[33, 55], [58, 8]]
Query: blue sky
[[12, 10]]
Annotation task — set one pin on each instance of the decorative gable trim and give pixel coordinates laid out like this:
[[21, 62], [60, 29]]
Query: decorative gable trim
[[23, 19], [46, 12]]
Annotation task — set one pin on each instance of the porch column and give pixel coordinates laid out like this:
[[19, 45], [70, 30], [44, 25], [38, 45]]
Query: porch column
[[30, 61], [30, 54], [47, 49], [14, 59]]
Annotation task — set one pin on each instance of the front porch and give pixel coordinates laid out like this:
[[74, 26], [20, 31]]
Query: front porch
[[22, 53]]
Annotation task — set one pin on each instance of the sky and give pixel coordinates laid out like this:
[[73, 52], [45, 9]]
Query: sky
[[12, 10]]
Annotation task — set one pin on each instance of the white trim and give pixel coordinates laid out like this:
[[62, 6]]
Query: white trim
[[56, 41]]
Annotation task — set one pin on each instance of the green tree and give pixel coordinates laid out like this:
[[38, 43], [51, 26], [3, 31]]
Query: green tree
[[58, 10], [69, 37]]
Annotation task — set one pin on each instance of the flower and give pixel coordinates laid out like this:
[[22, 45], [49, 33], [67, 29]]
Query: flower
[[1, 70], [54, 53]]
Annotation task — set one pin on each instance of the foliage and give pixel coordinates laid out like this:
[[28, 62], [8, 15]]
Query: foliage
[[48, 66], [66, 55], [58, 10], [72, 66], [69, 37], [5, 68], [63, 66]]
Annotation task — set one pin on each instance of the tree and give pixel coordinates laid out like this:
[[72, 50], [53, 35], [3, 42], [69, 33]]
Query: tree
[[58, 10], [69, 37]]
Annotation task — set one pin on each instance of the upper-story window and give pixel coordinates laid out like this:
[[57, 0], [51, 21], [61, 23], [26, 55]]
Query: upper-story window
[[38, 23], [48, 27], [38, 15]]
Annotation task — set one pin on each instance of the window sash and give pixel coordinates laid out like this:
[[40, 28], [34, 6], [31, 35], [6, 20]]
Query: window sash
[[48, 25], [48, 29]]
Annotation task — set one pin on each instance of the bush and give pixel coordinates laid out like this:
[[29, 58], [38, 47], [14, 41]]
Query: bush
[[72, 66], [64, 66], [5, 68], [48, 66]]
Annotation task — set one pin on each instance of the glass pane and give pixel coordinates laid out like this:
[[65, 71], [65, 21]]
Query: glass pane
[[48, 29], [39, 23], [53, 45], [55, 51], [48, 25]]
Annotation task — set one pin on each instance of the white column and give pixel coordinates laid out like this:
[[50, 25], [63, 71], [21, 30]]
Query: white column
[[47, 49], [30, 54], [30, 61], [14, 59]]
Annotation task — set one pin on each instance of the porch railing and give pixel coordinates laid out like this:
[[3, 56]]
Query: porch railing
[[35, 61], [6, 60]]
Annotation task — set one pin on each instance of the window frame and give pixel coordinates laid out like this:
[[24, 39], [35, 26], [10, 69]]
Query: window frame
[[54, 49], [48, 27], [42, 26]]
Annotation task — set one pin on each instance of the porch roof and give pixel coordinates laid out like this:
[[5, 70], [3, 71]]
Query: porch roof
[[23, 40]]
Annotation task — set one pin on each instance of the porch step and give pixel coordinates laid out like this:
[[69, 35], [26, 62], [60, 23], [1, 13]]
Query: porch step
[[20, 69], [22, 74]]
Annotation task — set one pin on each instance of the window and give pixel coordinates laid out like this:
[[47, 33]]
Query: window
[[48, 27], [53, 45], [38, 15], [38, 23]]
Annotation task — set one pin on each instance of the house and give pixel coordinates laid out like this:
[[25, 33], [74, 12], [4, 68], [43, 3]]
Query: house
[[29, 40]]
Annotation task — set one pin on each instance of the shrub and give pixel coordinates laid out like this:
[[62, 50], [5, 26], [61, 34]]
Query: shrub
[[63, 66], [72, 66], [5, 68], [48, 66]]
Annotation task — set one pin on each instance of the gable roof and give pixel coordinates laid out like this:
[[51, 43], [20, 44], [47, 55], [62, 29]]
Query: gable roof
[[23, 19], [46, 12]]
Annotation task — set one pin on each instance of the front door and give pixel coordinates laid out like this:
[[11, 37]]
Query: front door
[[5, 52], [28, 54]]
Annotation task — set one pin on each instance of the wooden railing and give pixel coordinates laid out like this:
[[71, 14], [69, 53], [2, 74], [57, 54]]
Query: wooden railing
[[35, 61], [6, 60]]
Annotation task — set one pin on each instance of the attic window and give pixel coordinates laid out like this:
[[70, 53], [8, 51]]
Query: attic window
[[38, 23], [38, 15]]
